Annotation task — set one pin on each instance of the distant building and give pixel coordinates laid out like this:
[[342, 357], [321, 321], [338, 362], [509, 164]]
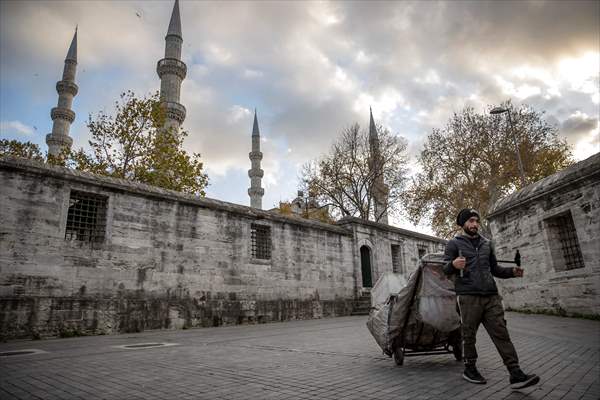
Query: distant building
[[555, 223], [304, 207]]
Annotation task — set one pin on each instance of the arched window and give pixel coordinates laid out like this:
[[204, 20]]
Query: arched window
[[365, 266]]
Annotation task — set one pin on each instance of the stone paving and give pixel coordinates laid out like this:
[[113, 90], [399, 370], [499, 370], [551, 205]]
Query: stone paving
[[317, 359]]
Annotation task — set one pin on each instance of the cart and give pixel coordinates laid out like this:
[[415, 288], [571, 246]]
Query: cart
[[422, 318]]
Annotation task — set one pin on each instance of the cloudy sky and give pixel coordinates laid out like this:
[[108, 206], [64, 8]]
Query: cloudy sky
[[310, 68]]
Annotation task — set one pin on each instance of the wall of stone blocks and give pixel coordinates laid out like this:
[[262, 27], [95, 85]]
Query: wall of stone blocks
[[524, 224], [168, 260], [379, 238]]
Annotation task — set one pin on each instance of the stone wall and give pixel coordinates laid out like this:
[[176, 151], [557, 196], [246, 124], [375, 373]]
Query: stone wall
[[168, 260], [530, 220], [380, 238]]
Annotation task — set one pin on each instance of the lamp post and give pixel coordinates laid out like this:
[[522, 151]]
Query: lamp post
[[500, 110]]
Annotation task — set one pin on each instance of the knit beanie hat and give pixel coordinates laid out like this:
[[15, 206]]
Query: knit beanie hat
[[464, 215]]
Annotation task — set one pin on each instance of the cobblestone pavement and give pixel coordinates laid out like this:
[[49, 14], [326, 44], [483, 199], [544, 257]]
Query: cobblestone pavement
[[318, 359]]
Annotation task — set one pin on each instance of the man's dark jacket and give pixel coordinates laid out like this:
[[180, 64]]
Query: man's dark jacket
[[480, 269]]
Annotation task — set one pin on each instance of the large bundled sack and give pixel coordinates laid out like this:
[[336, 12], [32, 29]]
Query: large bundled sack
[[427, 300], [400, 307], [378, 325], [389, 283], [382, 296], [437, 299]]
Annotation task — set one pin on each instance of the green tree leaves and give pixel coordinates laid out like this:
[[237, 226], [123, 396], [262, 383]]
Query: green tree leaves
[[133, 144]]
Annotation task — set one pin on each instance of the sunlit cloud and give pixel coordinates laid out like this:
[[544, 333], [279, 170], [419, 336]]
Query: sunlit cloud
[[310, 68], [252, 74], [219, 55], [17, 127], [237, 113], [430, 78], [582, 72]]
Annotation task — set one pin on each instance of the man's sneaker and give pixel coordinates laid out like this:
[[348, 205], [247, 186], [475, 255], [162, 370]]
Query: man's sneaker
[[472, 375], [520, 380]]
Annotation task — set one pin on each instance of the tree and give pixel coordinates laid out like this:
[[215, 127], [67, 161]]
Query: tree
[[344, 179], [134, 145], [20, 149], [471, 162]]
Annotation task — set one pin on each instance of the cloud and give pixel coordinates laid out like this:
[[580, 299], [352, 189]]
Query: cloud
[[583, 132], [578, 124], [237, 113], [252, 74], [310, 68], [9, 128], [43, 30]]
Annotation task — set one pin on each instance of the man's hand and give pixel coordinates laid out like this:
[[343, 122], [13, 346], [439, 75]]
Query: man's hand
[[518, 272], [459, 262]]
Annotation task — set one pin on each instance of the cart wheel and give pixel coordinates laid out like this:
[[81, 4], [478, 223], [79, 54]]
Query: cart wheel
[[399, 356]]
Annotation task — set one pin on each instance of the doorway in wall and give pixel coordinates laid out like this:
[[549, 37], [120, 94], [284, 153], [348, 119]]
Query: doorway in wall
[[365, 266]]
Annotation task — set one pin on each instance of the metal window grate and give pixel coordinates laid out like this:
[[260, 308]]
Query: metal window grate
[[396, 258], [86, 220], [567, 236], [261, 241]]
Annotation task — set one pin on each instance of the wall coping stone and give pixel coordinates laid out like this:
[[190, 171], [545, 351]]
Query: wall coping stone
[[566, 177], [39, 168], [385, 227]]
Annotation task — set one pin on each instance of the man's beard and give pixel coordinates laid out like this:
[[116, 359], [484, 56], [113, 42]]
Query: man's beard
[[471, 231]]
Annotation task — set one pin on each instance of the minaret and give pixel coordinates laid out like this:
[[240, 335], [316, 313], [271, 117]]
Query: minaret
[[380, 190], [255, 191], [62, 115], [171, 71]]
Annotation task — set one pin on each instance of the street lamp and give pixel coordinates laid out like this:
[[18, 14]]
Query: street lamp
[[500, 110]]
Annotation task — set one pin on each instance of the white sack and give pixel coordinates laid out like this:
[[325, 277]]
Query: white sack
[[388, 283]]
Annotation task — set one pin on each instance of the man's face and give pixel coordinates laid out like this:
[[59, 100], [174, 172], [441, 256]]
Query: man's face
[[471, 227]]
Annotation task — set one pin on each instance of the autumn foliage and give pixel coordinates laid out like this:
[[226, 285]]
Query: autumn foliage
[[471, 162]]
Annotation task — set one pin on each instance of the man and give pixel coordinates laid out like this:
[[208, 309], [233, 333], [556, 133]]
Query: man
[[470, 257]]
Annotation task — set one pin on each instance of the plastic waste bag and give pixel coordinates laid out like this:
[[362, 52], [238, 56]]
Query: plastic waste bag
[[425, 305], [389, 283], [378, 324], [437, 299]]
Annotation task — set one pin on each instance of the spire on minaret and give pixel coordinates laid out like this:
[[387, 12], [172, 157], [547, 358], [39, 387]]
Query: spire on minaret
[[255, 191], [380, 189], [372, 127], [255, 131], [172, 71], [62, 115], [175, 23], [72, 53]]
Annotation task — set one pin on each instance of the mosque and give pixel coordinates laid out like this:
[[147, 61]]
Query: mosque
[[172, 71], [92, 254], [88, 254]]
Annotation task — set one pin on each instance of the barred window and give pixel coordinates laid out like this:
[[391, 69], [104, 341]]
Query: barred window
[[396, 258], [86, 220], [564, 244], [261, 241]]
